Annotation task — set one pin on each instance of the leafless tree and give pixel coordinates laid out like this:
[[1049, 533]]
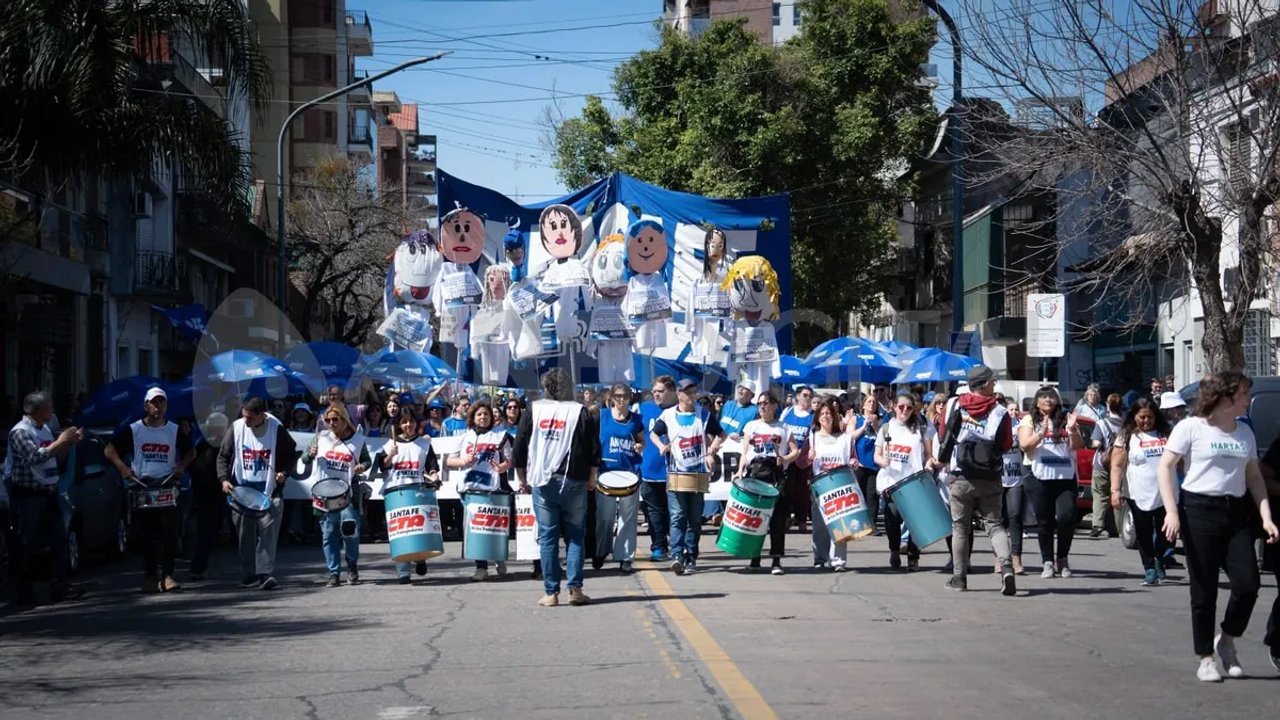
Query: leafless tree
[[342, 232], [1156, 125]]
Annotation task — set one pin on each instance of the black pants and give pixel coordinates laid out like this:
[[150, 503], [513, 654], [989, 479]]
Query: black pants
[[653, 501], [779, 522], [1218, 534], [1055, 504], [37, 519], [1013, 506], [157, 531], [1147, 525], [1272, 552], [210, 516], [893, 529], [867, 484], [797, 491]]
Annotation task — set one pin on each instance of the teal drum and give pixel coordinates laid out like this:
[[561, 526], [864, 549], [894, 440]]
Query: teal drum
[[844, 510], [485, 526], [746, 518], [413, 523], [920, 503]]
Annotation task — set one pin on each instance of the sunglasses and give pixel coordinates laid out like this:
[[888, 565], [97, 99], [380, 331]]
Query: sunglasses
[[513, 407], [333, 420], [905, 407]]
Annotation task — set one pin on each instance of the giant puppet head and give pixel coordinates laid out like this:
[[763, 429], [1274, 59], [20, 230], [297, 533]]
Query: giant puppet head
[[461, 236], [646, 251], [607, 268], [416, 267], [513, 249], [561, 231], [497, 278], [715, 247], [753, 291]]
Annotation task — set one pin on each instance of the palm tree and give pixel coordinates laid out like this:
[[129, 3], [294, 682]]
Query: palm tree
[[82, 95]]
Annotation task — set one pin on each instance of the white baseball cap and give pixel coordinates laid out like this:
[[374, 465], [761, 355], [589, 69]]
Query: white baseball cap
[[154, 393], [1172, 400]]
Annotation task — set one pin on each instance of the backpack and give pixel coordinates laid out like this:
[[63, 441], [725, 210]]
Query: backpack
[[976, 458]]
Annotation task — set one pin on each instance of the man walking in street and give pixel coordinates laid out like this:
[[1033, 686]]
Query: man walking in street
[[256, 452], [1104, 435], [689, 436], [653, 469], [557, 454], [975, 438], [32, 479]]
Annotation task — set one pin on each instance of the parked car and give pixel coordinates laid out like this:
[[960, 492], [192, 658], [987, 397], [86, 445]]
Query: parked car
[[94, 503]]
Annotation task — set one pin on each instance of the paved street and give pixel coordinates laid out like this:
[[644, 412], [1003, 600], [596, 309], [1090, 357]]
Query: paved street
[[717, 644]]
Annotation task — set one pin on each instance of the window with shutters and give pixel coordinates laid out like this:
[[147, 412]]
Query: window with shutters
[[319, 125], [1238, 148], [315, 68]]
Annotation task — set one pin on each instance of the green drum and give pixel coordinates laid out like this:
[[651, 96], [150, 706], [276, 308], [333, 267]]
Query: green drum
[[746, 518]]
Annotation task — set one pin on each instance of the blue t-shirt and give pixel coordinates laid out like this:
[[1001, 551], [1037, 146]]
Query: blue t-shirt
[[454, 426], [617, 442], [798, 425], [866, 445], [653, 466], [734, 417]]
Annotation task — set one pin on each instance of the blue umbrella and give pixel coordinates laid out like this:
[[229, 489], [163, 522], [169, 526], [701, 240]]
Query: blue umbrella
[[937, 366], [115, 402], [860, 360], [182, 397], [828, 348], [794, 370], [236, 366], [407, 366], [324, 363], [897, 347]]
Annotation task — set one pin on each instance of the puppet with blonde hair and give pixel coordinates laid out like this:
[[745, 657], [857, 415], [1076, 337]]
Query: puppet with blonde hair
[[752, 285], [494, 330], [708, 304], [648, 302], [608, 334]]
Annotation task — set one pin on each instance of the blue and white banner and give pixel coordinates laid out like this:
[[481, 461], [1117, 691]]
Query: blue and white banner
[[753, 226], [191, 320]]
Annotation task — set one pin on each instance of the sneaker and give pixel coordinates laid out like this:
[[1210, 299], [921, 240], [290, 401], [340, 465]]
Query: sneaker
[[502, 569], [251, 581], [658, 555], [552, 600], [895, 561], [577, 598], [776, 568], [1064, 570], [168, 584], [420, 568], [839, 568], [1160, 574], [1150, 578], [690, 566], [268, 583], [818, 565], [1008, 585], [1048, 571], [677, 566], [625, 567], [1097, 532], [597, 563], [957, 583], [334, 581], [913, 564], [1208, 671], [353, 575], [1225, 646], [480, 575], [405, 580]]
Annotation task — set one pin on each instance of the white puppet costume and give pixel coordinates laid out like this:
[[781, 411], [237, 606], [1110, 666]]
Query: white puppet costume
[[525, 303], [494, 330], [608, 333], [648, 302], [560, 230], [415, 268], [461, 243], [752, 285], [708, 310]]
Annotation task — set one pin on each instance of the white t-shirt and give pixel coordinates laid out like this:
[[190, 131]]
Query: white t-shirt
[[1215, 461], [764, 439], [903, 448], [1144, 453]]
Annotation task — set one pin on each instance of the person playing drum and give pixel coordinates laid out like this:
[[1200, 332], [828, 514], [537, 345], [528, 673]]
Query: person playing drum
[[408, 459], [486, 457], [687, 435], [766, 448], [255, 453], [828, 449], [157, 450], [621, 445], [340, 454]]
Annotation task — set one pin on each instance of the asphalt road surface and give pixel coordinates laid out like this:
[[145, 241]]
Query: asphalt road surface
[[873, 643]]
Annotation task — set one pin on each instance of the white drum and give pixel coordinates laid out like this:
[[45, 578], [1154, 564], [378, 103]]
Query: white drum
[[618, 483]]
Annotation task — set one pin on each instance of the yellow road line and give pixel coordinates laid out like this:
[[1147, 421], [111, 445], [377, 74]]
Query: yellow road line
[[750, 703]]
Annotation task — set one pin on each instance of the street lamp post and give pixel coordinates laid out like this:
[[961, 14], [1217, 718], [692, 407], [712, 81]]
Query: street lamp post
[[957, 185], [282, 295]]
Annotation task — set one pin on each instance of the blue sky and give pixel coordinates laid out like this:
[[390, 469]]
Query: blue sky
[[487, 101]]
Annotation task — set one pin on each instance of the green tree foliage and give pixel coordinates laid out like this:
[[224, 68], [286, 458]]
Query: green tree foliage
[[828, 116]]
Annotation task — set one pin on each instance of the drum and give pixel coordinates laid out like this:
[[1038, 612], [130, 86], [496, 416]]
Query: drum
[[331, 495], [249, 502], [688, 482], [527, 547], [485, 524], [746, 518], [618, 483], [153, 493], [413, 523], [920, 503], [843, 508]]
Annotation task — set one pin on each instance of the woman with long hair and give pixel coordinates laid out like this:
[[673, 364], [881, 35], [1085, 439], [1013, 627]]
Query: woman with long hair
[[1222, 496], [829, 449], [1135, 458], [486, 457], [765, 450], [375, 422], [339, 452], [1050, 436], [902, 450], [407, 459]]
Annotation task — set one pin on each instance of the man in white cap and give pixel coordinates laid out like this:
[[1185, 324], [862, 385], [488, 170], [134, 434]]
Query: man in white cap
[[157, 449], [1173, 407]]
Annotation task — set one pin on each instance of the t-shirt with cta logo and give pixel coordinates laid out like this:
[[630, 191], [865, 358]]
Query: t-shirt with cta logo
[[1215, 461], [764, 439]]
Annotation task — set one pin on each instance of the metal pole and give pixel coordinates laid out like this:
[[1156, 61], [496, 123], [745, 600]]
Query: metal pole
[[282, 277], [957, 150]]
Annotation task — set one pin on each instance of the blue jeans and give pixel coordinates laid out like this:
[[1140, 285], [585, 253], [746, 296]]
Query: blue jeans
[[561, 507], [657, 512], [686, 523], [340, 529]]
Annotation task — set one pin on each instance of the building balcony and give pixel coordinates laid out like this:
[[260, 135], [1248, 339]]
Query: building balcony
[[156, 272], [362, 95], [360, 140], [422, 182], [359, 34]]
